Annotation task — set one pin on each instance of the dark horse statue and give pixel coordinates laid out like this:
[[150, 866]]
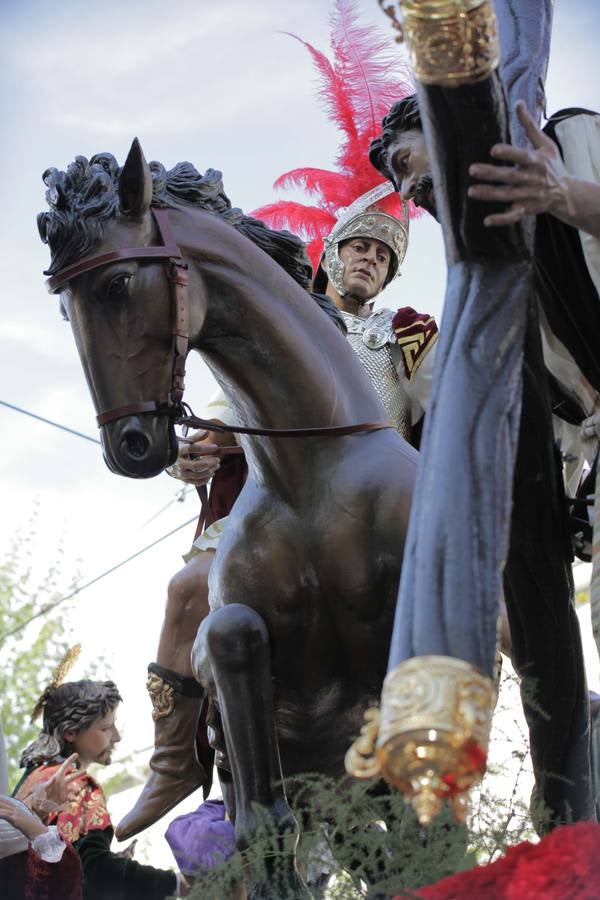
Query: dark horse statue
[[304, 583]]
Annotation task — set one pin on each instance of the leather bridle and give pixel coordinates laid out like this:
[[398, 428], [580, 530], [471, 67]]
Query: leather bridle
[[171, 404]]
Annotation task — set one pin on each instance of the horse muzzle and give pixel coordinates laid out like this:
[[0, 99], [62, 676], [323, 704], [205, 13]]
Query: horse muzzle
[[139, 446]]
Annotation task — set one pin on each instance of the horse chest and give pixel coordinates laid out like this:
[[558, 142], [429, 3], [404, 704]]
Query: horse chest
[[313, 580], [324, 572]]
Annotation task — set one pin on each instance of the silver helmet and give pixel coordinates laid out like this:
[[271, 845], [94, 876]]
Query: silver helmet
[[363, 219]]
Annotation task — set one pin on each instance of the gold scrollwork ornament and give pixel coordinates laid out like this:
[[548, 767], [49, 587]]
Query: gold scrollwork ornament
[[431, 735], [390, 12], [360, 760], [450, 42], [162, 695]]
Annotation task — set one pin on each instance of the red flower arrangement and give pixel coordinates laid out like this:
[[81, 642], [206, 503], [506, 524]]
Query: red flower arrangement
[[565, 865]]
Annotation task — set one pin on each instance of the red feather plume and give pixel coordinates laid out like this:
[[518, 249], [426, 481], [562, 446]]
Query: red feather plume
[[357, 88]]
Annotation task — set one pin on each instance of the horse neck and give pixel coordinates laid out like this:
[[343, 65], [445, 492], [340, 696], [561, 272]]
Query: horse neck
[[272, 350]]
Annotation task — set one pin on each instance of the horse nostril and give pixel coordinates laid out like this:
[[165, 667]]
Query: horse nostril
[[136, 443]]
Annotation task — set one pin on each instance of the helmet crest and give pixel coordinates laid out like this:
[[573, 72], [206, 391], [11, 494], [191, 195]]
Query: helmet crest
[[357, 88]]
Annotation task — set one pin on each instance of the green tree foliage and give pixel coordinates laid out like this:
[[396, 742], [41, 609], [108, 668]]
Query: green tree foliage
[[34, 636], [361, 841], [32, 640], [358, 841]]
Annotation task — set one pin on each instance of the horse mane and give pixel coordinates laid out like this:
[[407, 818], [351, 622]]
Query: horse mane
[[85, 197]]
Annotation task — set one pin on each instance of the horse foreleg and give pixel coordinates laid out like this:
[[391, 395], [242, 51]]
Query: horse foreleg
[[235, 642]]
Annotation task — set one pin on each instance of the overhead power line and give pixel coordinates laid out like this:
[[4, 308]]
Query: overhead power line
[[178, 498], [50, 606], [26, 412]]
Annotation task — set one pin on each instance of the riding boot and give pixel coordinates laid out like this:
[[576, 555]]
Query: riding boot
[[176, 770]]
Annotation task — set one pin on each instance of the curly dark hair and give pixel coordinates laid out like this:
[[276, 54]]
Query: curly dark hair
[[403, 116], [85, 197], [72, 706]]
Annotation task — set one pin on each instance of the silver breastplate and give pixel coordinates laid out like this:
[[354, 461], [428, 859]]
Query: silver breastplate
[[372, 340]]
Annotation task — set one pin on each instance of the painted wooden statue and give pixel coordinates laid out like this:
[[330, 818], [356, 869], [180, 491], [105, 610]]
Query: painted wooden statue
[[489, 418]]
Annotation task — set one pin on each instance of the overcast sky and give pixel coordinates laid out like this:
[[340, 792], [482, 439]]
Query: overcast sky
[[212, 82]]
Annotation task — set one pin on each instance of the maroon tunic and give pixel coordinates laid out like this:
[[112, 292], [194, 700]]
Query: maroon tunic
[[225, 487], [26, 876]]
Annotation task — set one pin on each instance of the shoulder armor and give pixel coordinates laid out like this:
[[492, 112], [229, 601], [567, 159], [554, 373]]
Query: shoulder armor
[[378, 329], [415, 334]]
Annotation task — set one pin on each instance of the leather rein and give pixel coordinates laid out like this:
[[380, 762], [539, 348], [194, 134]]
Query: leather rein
[[171, 404]]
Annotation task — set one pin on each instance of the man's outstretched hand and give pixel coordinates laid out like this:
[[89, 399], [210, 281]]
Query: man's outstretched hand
[[52, 795], [537, 182]]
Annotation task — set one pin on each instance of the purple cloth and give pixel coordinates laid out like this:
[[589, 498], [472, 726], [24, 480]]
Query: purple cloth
[[202, 839]]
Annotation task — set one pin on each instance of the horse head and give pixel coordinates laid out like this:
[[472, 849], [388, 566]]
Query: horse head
[[118, 296]]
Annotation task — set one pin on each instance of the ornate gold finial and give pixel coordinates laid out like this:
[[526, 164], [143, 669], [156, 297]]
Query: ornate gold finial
[[58, 677], [162, 695], [426, 801], [450, 42], [388, 9], [431, 736], [434, 729]]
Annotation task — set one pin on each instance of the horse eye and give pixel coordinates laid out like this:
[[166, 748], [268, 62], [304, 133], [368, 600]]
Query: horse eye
[[118, 286]]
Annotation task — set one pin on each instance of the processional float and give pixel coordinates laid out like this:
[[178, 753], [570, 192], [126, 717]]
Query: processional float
[[430, 736]]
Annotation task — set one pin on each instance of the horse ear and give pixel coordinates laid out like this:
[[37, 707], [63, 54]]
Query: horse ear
[[135, 183]]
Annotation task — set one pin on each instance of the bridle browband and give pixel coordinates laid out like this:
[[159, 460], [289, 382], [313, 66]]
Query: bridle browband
[[171, 404]]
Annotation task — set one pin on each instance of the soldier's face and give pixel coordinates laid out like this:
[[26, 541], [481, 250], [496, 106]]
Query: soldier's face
[[408, 160], [366, 265]]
